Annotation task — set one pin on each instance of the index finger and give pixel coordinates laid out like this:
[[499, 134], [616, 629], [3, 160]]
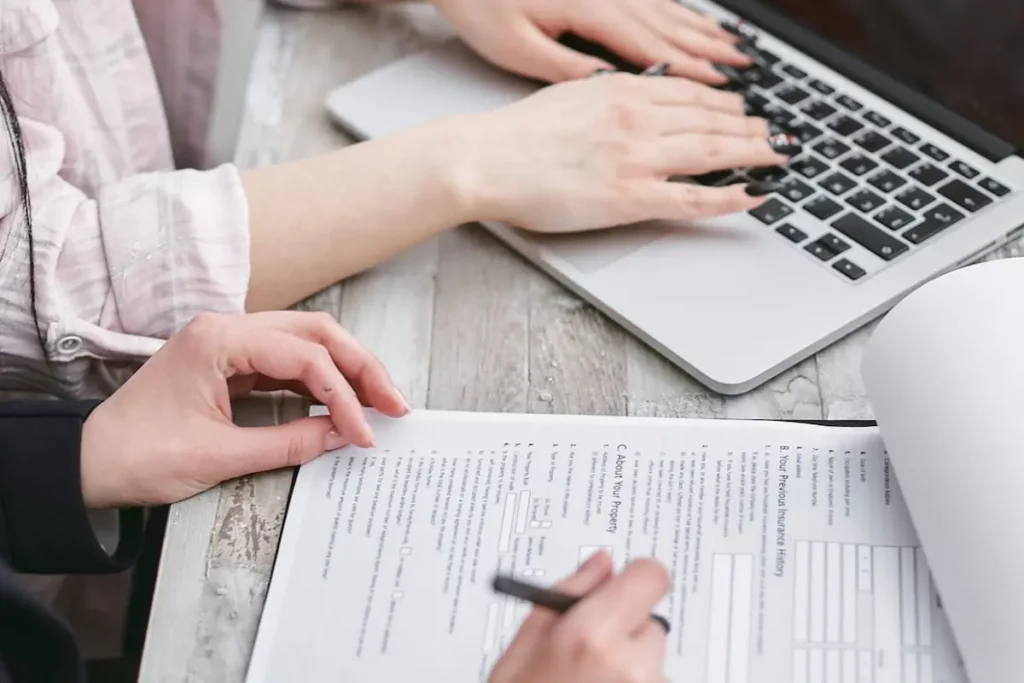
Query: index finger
[[283, 356], [368, 375], [624, 604]]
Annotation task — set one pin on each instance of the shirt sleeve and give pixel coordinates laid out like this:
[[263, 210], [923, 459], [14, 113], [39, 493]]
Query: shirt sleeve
[[44, 525], [120, 270]]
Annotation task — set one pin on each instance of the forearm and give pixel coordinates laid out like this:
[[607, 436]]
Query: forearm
[[318, 221]]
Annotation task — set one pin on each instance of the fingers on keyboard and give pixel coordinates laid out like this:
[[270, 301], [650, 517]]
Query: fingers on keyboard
[[682, 201], [694, 154], [699, 120]]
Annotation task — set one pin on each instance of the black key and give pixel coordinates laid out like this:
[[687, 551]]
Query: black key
[[760, 54], [823, 88], [849, 103], [944, 213], [755, 103], [752, 75], [872, 141], [845, 126], [792, 94], [905, 135], [877, 119], [734, 84], [772, 211], [838, 183], [819, 110], [712, 178], [935, 221], [849, 269], [777, 113], [887, 181], [766, 79], [868, 236], [914, 198], [770, 173], [807, 132], [994, 187], [795, 72], [865, 201], [809, 167], [934, 152], [964, 195], [963, 169], [858, 165], [822, 207], [794, 235], [928, 174], [820, 250], [831, 148], [796, 191], [894, 218], [833, 243], [900, 157]]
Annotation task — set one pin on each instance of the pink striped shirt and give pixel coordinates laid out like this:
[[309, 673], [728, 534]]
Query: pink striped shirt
[[128, 249]]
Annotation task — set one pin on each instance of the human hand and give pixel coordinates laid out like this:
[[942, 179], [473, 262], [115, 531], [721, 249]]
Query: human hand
[[598, 152], [521, 36], [608, 637], [167, 434]]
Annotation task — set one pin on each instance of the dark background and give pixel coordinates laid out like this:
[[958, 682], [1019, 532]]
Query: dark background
[[966, 54]]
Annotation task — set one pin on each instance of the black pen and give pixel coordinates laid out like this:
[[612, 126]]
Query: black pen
[[545, 597]]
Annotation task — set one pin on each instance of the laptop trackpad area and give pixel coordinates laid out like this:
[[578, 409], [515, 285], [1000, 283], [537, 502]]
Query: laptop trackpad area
[[590, 252]]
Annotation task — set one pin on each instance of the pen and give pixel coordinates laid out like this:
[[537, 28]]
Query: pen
[[545, 597]]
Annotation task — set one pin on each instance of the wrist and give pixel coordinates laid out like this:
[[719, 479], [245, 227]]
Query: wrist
[[98, 487], [462, 169], [454, 172]]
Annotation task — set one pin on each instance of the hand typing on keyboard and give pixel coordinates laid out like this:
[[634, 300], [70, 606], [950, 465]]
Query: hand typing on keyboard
[[597, 153], [522, 36]]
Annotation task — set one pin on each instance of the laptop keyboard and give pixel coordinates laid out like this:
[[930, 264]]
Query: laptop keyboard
[[867, 181]]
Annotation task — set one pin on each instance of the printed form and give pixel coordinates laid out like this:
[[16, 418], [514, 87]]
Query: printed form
[[792, 555]]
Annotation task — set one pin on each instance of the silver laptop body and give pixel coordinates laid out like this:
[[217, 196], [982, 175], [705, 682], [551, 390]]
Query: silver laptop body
[[738, 299]]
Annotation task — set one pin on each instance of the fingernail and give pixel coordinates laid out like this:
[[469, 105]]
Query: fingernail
[[776, 128], [656, 70], [401, 397], [601, 72], [749, 48], [786, 144], [731, 73], [740, 29], [763, 188], [333, 441]]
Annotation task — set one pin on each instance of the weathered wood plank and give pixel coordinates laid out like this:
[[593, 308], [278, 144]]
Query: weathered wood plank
[[577, 356], [480, 341]]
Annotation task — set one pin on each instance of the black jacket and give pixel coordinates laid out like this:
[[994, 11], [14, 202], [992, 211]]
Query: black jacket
[[44, 530]]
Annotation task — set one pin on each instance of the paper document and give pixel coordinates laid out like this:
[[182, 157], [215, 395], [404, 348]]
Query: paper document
[[790, 549]]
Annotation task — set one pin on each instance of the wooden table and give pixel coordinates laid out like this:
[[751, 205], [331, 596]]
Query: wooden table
[[461, 322]]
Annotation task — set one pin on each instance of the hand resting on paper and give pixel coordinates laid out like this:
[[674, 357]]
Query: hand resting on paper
[[608, 637], [167, 434]]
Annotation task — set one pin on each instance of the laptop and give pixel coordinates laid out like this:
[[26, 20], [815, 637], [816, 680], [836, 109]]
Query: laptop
[[911, 114]]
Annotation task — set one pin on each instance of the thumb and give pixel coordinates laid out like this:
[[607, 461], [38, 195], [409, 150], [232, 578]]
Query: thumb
[[541, 56], [591, 574], [259, 449]]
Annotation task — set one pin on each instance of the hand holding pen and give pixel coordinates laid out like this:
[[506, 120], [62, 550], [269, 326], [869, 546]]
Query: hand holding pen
[[606, 636]]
